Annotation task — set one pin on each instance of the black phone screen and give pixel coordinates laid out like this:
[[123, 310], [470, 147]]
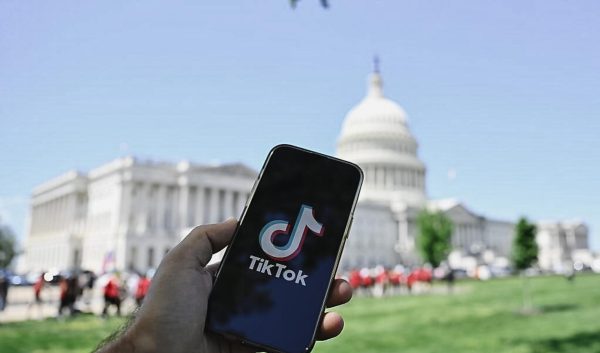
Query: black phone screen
[[271, 287]]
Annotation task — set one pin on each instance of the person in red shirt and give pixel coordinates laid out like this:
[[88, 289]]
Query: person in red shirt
[[424, 275], [382, 277], [112, 295], [37, 288], [381, 281], [411, 279], [37, 292], [142, 288], [395, 278], [354, 279]]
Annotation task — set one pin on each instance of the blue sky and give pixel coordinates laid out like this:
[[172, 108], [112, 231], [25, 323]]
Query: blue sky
[[506, 94]]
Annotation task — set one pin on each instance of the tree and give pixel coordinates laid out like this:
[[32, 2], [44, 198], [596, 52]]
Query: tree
[[524, 255], [435, 232], [525, 249], [7, 246]]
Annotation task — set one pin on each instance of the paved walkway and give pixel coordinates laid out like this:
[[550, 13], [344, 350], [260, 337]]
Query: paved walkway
[[21, 304]]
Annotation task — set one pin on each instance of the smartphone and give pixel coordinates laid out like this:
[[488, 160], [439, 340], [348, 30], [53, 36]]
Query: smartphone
[[271, 287]]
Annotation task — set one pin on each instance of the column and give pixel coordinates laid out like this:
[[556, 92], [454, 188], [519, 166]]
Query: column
[[175, 217], [404, 236], [64, 211], [213, 205], [228, 209], [47, 216], [160, 206], [184, 195], [142, 207], [42, 217], [208, 193], [33, 220], [200, 195], [51, 215], [125, 206], [241, 202], [190, 212], [388, 176], [62, 207], [52, 206], [38, 219], [57, 213], [73, 212], [69, 211]]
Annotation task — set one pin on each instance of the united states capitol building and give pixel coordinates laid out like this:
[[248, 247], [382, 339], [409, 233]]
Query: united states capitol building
[[128, 213], [376, 136]]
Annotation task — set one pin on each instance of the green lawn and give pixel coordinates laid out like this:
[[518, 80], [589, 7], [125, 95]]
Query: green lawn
[[81, 334], [482, 318]]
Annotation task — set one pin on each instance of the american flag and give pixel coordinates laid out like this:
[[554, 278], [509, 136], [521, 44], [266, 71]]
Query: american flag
[[108, 262]]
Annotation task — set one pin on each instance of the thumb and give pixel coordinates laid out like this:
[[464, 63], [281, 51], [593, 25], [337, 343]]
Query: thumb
[[206, 240]]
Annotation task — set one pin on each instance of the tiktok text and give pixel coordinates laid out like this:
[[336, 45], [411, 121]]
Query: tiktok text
[[276, 270]]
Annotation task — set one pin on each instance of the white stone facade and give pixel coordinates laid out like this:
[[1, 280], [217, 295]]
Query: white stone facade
[[57, 223], [373, 230], [561, 244], [127, 214]]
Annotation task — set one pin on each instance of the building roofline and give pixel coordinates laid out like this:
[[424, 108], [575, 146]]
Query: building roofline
[[58, 181]]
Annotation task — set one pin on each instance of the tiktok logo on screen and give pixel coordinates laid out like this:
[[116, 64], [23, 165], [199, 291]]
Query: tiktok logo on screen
[[305, 222]]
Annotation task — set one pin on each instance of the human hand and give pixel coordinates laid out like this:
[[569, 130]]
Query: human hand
[[173, 314]]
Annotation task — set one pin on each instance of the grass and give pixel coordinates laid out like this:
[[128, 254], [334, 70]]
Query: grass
[[485, 318], [481, 317], [80, 334]]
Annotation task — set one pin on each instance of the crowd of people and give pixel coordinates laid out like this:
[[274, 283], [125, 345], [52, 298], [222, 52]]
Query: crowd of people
[[379, 281], [77, 289], [115, 290]]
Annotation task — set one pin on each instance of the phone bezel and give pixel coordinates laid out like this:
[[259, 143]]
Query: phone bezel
[[311, 344]]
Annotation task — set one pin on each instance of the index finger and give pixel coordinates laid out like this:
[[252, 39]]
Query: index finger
[[206, 240]]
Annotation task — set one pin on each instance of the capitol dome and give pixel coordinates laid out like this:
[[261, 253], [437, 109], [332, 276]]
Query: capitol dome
[[375, 135]]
